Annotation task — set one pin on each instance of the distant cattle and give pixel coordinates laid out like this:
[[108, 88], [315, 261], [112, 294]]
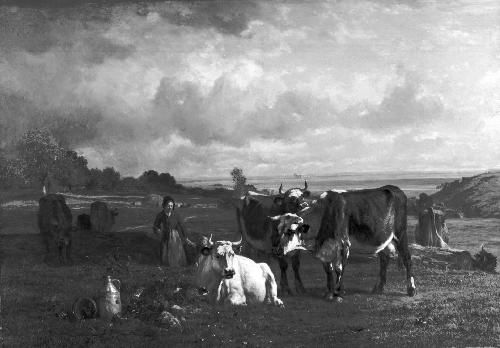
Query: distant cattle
[[234, 279], [375, 217], [54, 222], [431, 229], [83, 222], [101, 217]]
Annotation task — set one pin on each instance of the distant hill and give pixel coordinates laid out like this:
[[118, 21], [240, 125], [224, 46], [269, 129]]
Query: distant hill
[[475, 196]]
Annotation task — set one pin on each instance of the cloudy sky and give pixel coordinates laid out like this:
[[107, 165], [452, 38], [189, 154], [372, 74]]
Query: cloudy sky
[[196, 88]]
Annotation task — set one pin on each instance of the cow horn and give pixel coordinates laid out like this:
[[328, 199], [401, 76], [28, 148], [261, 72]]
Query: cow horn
[[210, 239], [305, 185], [280, 190], [238, 242]]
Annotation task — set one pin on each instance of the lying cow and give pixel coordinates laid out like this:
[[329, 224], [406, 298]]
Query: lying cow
[[374, 217], [54, 222], [261, 232], [234, 279], [101, 217]]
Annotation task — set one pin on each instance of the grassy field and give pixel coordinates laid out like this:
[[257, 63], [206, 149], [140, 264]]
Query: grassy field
[[451, 308]]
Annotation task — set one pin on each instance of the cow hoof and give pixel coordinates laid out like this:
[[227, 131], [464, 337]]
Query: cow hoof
[[377, 290], [412, 292], [279, 303], [329, 296]]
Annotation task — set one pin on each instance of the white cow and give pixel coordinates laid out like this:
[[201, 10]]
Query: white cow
[[234, 279]]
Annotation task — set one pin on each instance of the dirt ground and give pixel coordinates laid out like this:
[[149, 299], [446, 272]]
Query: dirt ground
[[451, 308]]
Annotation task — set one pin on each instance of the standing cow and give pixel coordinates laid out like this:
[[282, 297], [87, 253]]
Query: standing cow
[[233, 279], [54, 222], [101, 217], [263, 233], [375, 217]]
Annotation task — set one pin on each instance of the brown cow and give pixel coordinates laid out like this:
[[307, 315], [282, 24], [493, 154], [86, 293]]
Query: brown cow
[[54, 222], [101, 217]]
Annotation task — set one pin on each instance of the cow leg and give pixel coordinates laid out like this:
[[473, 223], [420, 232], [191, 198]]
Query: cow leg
[[284, 288], [384, 262], [60, 247], [404, 253], [328, 267], [271, 287], [299, 287], [68, 251]]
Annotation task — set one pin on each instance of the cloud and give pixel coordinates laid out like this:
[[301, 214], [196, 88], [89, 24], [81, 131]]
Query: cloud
[[403, 108]]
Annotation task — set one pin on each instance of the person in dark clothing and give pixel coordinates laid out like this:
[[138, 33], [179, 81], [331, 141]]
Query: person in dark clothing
[[173, 234]]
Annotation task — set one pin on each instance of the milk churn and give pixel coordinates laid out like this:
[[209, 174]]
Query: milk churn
[[110, 303]]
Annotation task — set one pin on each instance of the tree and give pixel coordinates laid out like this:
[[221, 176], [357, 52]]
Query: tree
[[71, 169], [38, 153], [110, 178], [239, 180]]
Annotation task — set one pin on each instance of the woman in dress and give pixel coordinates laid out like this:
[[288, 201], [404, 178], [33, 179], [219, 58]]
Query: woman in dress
[[173, 234]]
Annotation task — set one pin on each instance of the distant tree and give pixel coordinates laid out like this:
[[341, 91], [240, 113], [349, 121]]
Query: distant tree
[[71, 169], [38, 152], [239, 180], [130, 184], [165, 179], [110, 178], [149, 177]]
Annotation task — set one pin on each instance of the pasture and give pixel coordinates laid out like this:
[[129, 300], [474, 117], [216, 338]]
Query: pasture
[[451, 308]]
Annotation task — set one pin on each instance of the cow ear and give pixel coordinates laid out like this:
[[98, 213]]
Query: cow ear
[[306, 193], [304, 228]]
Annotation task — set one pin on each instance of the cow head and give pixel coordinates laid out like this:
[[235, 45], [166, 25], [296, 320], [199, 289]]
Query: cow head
[[291, 230], [293, 199], [215, 263]]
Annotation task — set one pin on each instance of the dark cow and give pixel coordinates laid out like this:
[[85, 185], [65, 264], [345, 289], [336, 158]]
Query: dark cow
[[375, 217], [83, 222], [101, 217], [431, 229], [54, 222], [260, 231]]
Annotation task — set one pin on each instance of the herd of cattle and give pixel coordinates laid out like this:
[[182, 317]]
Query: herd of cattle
[[281, 226]]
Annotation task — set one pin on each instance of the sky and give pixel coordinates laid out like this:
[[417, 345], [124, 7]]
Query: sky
[[314, 87]]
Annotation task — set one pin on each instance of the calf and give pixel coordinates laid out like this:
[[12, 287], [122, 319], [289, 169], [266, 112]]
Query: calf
[[101, 217], [233, 279], [54, 222], [83, 222]]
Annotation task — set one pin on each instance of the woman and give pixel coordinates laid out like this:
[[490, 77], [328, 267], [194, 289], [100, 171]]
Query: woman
[[173, 235]]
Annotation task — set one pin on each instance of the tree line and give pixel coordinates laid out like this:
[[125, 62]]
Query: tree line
[[38, 159]]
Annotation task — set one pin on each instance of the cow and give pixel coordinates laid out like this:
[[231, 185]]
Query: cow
[[260, 231], [55, 225], [230, 279], [101, 217], [83, 222], [431, 229], [375, 217]]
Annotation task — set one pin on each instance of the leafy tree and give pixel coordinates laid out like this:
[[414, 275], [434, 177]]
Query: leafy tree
[[110, 178], [239, 180], [71, 169], [165, 179], [39, 152]]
